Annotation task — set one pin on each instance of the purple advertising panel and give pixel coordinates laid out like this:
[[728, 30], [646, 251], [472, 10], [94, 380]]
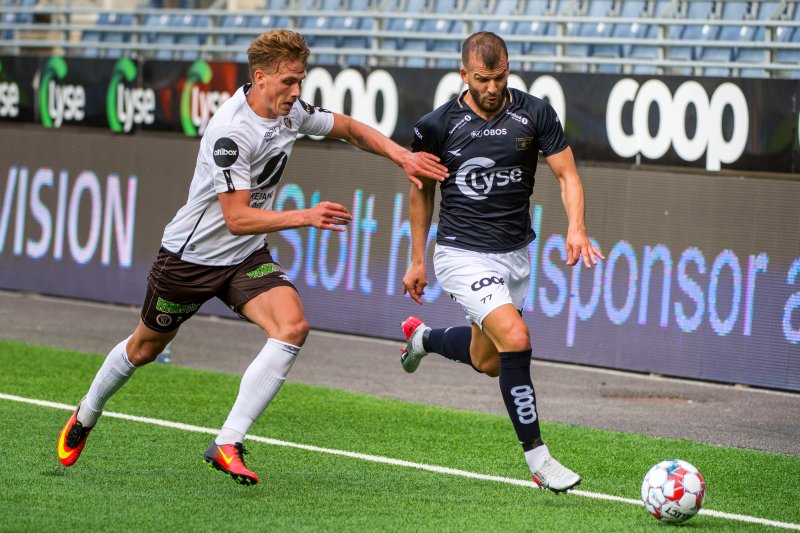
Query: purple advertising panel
[[705, 123], [701, 280]]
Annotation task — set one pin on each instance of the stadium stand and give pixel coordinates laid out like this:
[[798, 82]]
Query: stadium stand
[[748, 38]]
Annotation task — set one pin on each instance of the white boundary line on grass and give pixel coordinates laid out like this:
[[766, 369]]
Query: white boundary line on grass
[[390, 461]]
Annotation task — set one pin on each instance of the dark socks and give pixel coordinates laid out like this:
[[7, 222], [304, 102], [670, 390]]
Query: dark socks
[[452, 343], [520, 399]]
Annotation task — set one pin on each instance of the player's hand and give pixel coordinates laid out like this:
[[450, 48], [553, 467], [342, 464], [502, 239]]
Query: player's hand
[[414, 282], [328, 215], [423, 165], [579, 245]]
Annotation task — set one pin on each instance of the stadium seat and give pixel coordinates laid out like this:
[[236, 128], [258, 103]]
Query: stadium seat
[[790, 56], [160, 21], [731, 11], [406, 25], [746, 56], [231, 22], [505, 26], [200, 24], [647, 52]]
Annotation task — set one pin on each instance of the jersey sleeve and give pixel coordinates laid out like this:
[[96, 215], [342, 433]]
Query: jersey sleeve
[[229, 156], [550, 133], [426, 136], [312, 120]]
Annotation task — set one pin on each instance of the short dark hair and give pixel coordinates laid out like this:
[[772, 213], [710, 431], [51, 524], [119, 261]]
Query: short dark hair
[[489, 47]]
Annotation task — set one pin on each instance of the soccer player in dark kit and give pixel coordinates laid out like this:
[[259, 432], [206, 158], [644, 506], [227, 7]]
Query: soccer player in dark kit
[[490, 137]]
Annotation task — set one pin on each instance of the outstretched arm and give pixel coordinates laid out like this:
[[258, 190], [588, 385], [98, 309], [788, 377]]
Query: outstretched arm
[[415, 164], [420, 215], [242, 219], [578, 244]]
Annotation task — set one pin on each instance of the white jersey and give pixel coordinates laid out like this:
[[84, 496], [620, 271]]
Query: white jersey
[[239, 151]]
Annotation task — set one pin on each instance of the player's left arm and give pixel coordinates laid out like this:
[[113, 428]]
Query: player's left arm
[[578, 244], [415, 164]]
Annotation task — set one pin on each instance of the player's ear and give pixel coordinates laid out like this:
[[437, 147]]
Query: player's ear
[[463, 74]]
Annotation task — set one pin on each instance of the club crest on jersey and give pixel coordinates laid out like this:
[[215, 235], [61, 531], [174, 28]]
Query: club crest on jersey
[[287, 122], [524, 143]]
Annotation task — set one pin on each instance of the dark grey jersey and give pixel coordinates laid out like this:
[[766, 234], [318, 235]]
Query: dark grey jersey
[[485, 202]]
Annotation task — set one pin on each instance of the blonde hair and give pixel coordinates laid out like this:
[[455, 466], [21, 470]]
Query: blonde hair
[[270, 49]]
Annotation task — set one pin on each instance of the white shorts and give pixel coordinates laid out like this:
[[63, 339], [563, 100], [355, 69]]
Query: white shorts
[[482, 282]]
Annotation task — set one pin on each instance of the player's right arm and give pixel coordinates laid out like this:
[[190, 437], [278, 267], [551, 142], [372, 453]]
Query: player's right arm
[[241, 219], [421, 205], [426, 139]]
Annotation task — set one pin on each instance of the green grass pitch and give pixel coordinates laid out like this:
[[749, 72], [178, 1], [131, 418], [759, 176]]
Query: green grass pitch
[[136, 476]]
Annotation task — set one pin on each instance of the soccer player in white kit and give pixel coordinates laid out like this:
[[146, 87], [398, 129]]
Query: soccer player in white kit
[[215, 246], [490, 138]]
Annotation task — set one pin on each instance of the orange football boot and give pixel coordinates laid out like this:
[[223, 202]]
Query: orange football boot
[[72, 440], [229, 458]]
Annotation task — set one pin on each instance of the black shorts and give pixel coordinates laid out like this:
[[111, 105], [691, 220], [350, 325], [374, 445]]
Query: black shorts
[[176, 289]]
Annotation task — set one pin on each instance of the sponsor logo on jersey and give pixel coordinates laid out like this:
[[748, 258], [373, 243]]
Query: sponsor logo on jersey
[[489, 132], [271, 132], [460, 123], [456, 153], [476, 181], [259, 198], [524, 143], [226, 152], [519, 118]]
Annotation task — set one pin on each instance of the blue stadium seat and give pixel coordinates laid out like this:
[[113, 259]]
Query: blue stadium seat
[[790, 56], [504, 27], [231, 22], [751, 56], [643, 51], [162, 21], [103, 32], [597, 32], [199, 23], [731, 11], [408, 25]]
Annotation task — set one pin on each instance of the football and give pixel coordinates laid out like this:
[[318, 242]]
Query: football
[[673, 491]]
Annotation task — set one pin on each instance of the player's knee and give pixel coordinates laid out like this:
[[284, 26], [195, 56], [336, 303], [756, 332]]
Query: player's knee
[[294, 332], [517, 339], [143, 354]]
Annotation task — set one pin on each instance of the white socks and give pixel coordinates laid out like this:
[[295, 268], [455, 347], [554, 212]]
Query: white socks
[[112, 375], [536, 457], [260, 383]]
